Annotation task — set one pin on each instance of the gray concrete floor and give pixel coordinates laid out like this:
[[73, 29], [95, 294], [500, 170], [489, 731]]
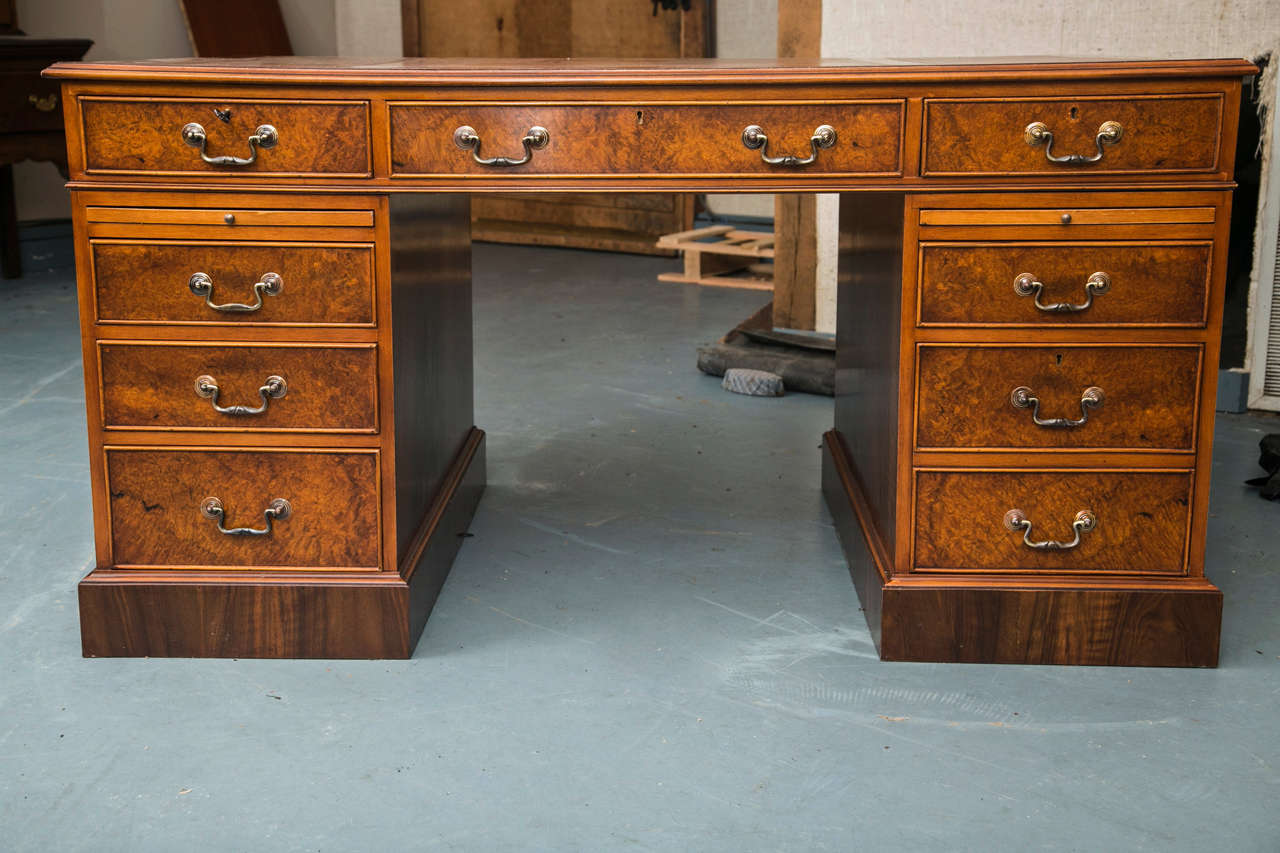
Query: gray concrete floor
[[650, 643]]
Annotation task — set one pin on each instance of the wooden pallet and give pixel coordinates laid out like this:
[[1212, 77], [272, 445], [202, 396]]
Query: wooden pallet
[[720, 263]]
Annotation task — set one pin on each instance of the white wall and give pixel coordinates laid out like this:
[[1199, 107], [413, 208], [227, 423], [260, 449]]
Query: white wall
[[141, 29], [1189, 29], [745, 29]]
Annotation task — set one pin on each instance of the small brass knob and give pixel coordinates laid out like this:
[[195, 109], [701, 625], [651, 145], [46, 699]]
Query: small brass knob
[[1066, 219], [229, 218]]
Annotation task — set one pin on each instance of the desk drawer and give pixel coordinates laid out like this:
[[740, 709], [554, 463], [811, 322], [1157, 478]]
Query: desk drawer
[[644, 139], [158, 498], [301, 388], [1140, 520], [29, 103], [1176, 133], [1139, 283], [1140, 398], [146, 135], [250, 283]]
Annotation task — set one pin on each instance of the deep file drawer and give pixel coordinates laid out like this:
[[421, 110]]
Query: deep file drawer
[[240, 387], [192, 508]]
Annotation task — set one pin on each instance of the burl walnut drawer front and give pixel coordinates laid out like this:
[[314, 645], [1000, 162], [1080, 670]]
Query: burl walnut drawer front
[[173, 136], [1133, 398], [1070, 137], [243, 509], [242, 283], [1087, 521], [239, 387], [1112, 283], [862, 138]]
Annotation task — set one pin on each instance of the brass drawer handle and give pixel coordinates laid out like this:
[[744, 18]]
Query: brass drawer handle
[[202, 285], [273, 389], [44, 103], [467, 139], [1016, 519], [753, 136], [1023, 398], [1038, 133], [279, 508], [265, 136], [1026, 284]]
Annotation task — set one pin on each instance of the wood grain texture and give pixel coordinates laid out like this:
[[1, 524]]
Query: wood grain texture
[[1084, 627], [156, 497], [144, 135], [963, 396], [1167, 133], [1142, 520], [1146, 622], [1152, 283], [431, 331], [869, 304], [146, 282], [645, 138], [148, 385]]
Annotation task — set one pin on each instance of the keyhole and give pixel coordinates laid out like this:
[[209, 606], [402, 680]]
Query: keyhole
[[499, 24], [1058, 357], [639, 117], [1075, 113]]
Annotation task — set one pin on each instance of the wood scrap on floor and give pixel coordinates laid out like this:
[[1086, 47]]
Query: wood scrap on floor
[[805, 363], [737, 259]]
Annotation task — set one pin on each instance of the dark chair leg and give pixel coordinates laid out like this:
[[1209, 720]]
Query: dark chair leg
[[10, 252]]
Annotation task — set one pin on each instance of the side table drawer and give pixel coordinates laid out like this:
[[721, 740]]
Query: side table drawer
[[238, 283], [161, 514], [1139, 521], [1174, 133], [241, 387], [1111, 283], [152, 136], [646, 139], [1064, 396]]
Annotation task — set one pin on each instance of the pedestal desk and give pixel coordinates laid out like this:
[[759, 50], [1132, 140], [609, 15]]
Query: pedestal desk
[[273, 262]]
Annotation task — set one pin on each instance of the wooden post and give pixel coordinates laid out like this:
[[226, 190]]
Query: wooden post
[[795, 215]]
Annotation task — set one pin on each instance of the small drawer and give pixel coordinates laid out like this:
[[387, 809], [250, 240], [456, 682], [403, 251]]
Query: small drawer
[[1175, 133], [1147, 283], [239, 387], [1128, 521], [991, 397], [28, 103], [154, 136], [645, 139], [166, 508], [314, 284]]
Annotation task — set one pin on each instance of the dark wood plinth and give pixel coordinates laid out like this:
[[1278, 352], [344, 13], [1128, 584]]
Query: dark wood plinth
[[286, 614], [985, 619]]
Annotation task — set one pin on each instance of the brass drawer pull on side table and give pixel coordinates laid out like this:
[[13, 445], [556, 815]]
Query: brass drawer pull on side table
[[202, 285], [753, 136], [1016, 519], [1027, 284], [273, 389], [279, 508], [467, 139], [1038, 133], [265, 136], [1023, 398]]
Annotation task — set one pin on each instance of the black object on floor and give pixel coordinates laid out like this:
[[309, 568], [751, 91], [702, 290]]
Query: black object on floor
[[805, 363], [1270, 462]]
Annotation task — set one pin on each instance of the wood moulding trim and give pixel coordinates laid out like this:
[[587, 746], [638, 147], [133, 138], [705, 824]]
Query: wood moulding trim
[[278, 614]]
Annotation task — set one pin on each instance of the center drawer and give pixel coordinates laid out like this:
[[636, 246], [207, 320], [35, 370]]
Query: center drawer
[[1064, 396], [162, 515], [310, 388], [646, 138]]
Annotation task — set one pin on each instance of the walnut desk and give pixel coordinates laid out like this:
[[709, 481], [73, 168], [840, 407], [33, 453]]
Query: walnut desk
[[273, 263]]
